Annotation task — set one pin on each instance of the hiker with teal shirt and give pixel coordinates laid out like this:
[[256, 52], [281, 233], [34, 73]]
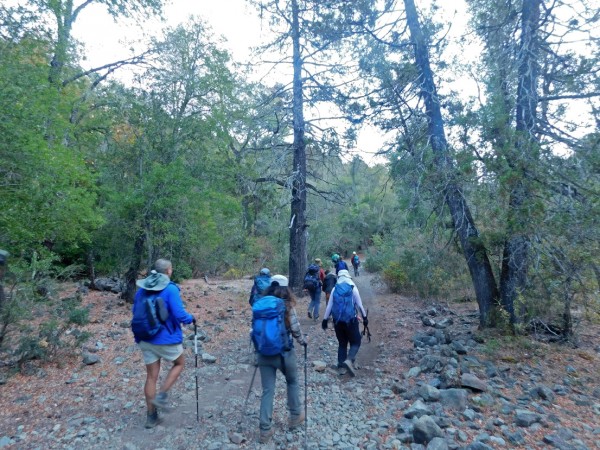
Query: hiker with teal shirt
[[342, 306], [167, 343], [355, 260], [285, 360]]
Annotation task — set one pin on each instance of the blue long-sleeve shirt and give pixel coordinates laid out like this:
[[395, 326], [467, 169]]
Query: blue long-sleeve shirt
[[171, 332]]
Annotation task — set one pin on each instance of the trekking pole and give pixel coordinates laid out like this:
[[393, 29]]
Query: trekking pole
[[247, 397], [196, 371], [305, 394]]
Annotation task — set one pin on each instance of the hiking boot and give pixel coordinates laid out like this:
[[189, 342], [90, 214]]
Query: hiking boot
[[309, 315], [160, 401], [296, 420], [350, 367], [152, 420], [265, 435]]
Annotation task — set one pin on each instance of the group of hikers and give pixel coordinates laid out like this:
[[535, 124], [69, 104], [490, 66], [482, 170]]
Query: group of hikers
[[158, 313]]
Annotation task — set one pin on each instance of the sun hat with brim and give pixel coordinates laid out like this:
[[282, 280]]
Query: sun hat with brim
[[343, 276], [280, 280], [154, 282], [265, 271]]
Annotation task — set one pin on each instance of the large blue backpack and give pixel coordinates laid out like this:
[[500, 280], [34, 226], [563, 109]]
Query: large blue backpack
[[343, 308], [262, 282], [269, 334], [149, 315]]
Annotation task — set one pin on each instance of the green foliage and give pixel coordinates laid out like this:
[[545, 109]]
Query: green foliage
[[59, 327], [395, 277]]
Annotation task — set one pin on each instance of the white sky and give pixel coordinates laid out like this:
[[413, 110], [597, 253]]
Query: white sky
[[104, 40]]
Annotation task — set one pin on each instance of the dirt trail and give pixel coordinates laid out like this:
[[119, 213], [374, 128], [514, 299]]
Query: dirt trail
[[221, 396]]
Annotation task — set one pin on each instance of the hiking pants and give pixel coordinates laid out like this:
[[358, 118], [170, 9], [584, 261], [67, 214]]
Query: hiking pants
[[268, 366], [315, 303], [347, 333]]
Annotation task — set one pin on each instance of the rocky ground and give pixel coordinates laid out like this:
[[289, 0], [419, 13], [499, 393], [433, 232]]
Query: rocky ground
[[427, 379]]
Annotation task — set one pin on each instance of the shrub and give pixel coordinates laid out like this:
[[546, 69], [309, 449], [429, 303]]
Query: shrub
[[395, 277]]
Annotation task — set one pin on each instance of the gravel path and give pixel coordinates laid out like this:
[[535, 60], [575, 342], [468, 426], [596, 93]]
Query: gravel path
[[427, 380]]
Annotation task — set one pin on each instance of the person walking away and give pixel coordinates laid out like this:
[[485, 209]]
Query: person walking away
[[343, 307], [275, 351], [312, 285], [328, 284], [261, 283], [319, 263], [339, 263], [158, 298], [355, 263]]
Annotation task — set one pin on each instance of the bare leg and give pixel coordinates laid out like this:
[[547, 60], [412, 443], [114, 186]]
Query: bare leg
[[152, 371], [174, 373]]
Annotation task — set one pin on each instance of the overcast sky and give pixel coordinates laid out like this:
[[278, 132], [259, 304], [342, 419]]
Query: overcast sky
[[105, 41]]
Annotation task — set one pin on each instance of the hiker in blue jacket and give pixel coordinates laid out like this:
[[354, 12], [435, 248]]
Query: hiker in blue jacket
[[346, 328], [285, 362], [167, 343], [339, 263]]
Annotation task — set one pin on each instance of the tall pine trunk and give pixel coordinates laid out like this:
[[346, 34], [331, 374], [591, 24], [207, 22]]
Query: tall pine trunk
[[515, 257], [297, 261], [473, 249]]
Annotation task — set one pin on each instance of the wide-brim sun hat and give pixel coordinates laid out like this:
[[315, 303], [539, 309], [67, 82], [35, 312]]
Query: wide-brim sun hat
[[318, 260], [154, 282], [281, 280]]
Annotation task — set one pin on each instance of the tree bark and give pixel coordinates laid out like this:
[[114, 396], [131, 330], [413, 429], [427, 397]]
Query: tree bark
[[515, 257], [297, 259], [473, 249], [134, 267]]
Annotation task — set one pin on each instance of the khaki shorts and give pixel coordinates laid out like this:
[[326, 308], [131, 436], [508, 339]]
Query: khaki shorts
[[153, 352]]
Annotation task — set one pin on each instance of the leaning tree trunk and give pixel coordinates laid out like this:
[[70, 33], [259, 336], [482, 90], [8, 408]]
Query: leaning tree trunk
[[297, 261], [473, 249], [515, 258]]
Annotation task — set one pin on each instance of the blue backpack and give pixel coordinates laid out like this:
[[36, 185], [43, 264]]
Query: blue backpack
[[355, 260], [269, 334], [311, 279], [262, 282], [149, 315], [343, 309]]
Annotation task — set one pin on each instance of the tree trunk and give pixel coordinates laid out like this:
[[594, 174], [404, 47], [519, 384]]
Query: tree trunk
[[473, 249], [63, 12], [515, 258], [91, 268], [297, 260], [134, 267]]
